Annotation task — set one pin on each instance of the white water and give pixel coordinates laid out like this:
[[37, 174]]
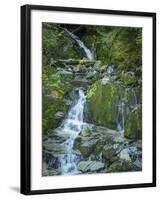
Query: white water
[[87, 51], [72, 127], [121, 111], [133, 102], [120, 120], [74, 120]]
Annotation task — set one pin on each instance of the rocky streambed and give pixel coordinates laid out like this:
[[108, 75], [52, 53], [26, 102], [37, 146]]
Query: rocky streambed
[[96, 149], [110, 135]]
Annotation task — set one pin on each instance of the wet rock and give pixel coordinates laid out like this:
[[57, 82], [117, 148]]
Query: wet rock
[[85, 132], [59, 115], [138, 164], [67, 102], [92, 74], [108, 153], [103, 68], [64, 72], [124, 155], [84, 145], [44, 169], [54, 172], [105, 80], [97, 65], [54, 146], [90, 166]]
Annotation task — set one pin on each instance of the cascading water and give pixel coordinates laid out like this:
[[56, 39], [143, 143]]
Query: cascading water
[[121, 111], [133, 102], [120, 118], [74, 121], [87, 51], [72, 126]]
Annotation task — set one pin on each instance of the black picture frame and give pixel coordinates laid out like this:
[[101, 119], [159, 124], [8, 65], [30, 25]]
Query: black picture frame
[[26, 98]]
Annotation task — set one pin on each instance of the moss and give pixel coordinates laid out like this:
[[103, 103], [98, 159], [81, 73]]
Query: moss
[[91, 91], [127, 79], [133, 125]]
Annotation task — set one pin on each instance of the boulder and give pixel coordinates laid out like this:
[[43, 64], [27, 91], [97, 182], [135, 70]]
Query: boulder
[[124, 155], [85, 145], [90, 166], [120, 166], [128, 78], [103, 103], [109, 152], [85, 132], [54, 147]]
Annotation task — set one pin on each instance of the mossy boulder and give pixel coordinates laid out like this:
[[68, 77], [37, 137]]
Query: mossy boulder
[[108, 153], [103, 101], [128, 78], [85, 145], [133, 125], [50, 109], [133, 96], [120, 166]]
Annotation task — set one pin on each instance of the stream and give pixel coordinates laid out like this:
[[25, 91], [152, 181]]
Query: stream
[[72, 126]]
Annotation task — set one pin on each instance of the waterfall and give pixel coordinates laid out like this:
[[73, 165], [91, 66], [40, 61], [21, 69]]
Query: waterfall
[[72, 126], [74, 120], [87, 51], [121, 111], [133, 102], [120, 118]]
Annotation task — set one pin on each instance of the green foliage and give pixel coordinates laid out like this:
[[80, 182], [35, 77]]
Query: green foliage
[[57, 85], [57, 43], [115, 45]]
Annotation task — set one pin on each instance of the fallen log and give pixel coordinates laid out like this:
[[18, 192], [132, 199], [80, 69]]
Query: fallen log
[[64, 63]]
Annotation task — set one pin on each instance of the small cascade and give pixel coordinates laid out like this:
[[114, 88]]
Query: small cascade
[[72, 126], [110, 69], [133, 102], [87, 51], [120, 117], [74, 121], [121, 111]]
